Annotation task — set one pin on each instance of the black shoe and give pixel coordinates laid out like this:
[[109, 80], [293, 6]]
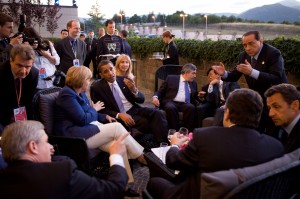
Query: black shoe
[[131, 193]]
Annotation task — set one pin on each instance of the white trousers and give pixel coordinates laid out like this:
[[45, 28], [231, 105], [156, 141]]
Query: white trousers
[[110, 132]]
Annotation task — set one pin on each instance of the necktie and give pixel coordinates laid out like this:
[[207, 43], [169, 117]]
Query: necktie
[[253, 62], [187, 92], [117, 98], [283, 135]]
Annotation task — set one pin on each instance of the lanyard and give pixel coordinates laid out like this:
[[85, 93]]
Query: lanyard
[[74, 44], [20, 91]]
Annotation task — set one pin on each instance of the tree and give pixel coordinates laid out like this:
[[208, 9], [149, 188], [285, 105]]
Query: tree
[[27, 7], [39, 12], [52, 17], [95, 14], [13, 11], [135, 19], [2, 9]]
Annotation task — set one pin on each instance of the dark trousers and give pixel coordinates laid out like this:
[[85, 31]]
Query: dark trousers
[[205, 110], [150, 120], [188, 110]]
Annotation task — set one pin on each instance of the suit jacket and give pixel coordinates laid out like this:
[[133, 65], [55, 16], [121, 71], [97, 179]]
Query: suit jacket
[[60, 180], [172, 52], [8, 101], [5, 49], [101, 91], [73, 114], [293, 140], [270, 64], [169, 89], [66, 54], [218, 148], [127, 48], [215, 96]]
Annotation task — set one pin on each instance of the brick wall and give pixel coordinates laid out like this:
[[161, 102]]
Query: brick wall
[[146, 67]]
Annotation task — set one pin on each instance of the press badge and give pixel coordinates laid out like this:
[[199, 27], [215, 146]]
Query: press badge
[[20, 114], [75, 62], [42, 73]]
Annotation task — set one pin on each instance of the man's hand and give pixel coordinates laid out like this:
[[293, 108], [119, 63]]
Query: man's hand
[[219, 69], [118, 146], [130, 84], [17, 40], [127, 119], [110, 119], [155, 101], [201, 93], [214, 81], [178, 139], [245, 68]]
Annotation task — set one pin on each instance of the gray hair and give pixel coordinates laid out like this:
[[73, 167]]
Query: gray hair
[[16, 137], [188, 68]]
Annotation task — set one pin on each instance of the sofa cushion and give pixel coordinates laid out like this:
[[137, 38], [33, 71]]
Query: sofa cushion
[[216, 184], [47, 107]]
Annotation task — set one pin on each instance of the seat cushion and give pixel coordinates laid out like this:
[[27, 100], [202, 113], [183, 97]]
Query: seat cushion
[[216, 184], [47, 107]]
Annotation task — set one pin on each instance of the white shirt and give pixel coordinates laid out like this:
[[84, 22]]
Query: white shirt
[[180, 97], [43, 62]]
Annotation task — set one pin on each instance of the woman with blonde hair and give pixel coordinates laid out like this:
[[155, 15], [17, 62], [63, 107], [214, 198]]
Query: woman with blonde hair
[[124, 66], [77, 116], [171, 52]]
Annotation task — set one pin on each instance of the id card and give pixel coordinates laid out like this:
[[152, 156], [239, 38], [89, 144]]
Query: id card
[[42, 73], [20, 114], [75, 62]]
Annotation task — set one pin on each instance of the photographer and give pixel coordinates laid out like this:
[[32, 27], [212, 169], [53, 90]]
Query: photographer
[[45, 61], [6, 43]]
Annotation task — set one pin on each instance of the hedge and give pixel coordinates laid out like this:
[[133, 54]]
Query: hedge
[[226, 51]]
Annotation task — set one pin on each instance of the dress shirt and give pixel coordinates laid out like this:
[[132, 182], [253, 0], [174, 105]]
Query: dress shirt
[[210, 90], [290, 127], [180, 97], [116, 159], [127, 105]]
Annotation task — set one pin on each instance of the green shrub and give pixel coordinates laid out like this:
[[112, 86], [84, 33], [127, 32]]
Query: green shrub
[[226, 51]]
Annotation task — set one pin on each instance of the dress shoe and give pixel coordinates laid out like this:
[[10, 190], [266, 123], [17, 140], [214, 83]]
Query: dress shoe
[[131, 193]]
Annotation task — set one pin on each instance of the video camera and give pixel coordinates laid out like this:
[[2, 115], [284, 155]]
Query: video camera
[[31, 35], [21, 31]]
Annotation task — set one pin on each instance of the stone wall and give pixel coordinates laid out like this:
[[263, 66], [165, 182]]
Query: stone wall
[[145, 73]]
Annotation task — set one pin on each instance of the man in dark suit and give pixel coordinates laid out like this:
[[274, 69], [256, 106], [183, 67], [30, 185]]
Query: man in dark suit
[[71, 50], [284, 109], [127, 47], [179, 93], [262, 65], [31, 174], [6, 43], [18, 82], [235, 145], [122, 100], [217, 92], [91, 45]]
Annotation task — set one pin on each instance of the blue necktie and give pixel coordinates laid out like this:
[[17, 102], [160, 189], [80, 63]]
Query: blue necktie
[[187, 92], [117, 98]]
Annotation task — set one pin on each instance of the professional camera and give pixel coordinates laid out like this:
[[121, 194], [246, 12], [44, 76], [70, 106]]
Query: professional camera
[[42, 44], [21, 29]]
